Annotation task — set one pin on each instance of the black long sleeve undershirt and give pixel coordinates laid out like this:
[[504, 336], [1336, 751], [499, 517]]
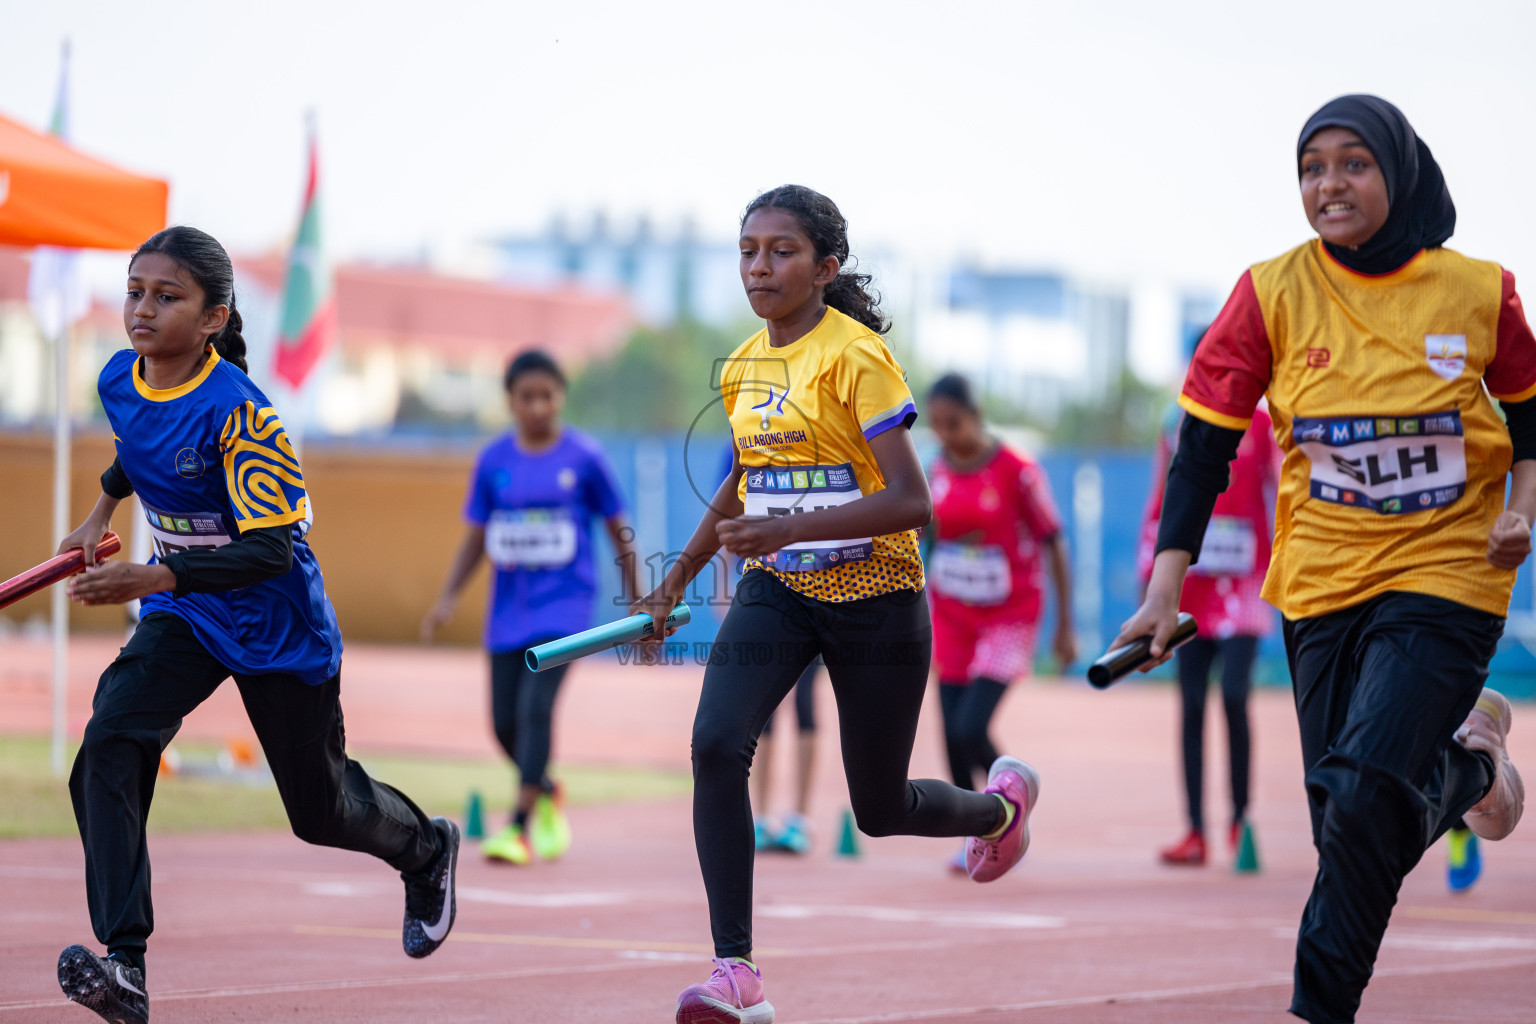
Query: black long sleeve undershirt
[[1520, 418], [253, 557], [1197, 475]]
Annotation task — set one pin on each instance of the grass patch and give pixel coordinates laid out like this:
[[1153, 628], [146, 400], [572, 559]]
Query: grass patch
[[37, 804]]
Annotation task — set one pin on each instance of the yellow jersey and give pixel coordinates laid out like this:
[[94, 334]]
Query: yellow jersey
[[802, 417], [1378, 386]]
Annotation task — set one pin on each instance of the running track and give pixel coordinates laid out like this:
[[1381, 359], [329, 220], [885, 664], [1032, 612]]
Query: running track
[[1089, 929]]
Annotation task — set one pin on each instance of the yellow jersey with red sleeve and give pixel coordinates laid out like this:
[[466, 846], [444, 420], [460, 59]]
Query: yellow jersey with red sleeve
[[1378, 386], [802, 417]]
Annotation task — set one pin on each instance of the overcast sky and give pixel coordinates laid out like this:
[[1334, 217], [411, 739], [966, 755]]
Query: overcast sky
[[1124, 139]]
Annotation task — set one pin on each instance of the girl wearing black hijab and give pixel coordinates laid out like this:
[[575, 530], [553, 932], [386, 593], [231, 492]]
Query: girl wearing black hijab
[[1395, 550]]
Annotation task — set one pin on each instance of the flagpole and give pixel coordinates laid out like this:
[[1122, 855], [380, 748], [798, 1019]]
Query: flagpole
[[61, 456], [61, 439]]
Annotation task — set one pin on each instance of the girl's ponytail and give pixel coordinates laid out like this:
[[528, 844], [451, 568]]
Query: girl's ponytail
[[230, 343]]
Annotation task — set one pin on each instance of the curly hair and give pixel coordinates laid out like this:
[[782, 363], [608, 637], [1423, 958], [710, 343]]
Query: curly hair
[[827, 228]]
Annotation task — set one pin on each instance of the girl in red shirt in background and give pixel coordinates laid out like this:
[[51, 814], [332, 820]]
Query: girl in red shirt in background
[[994, 521], [1223, 594]]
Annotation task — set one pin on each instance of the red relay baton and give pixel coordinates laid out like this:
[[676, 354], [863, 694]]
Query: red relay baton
[[59, 567]]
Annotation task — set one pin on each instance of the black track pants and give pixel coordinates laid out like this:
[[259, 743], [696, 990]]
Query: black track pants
[[1195, 659], [156, 680], [877, 651], [523, 712], [1381, 689], [968, 711]]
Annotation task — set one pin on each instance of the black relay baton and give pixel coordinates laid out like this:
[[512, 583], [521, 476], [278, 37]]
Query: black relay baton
[[1122, 661]]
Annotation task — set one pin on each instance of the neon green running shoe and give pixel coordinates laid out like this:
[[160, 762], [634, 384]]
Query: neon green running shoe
[[507, 845], [548, 830], [1463, 862]]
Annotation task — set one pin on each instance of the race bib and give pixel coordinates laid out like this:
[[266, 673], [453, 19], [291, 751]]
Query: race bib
[[171, 532], [1230, 548], [792, 490], [530, 538], [975, 574], [1389, 465]]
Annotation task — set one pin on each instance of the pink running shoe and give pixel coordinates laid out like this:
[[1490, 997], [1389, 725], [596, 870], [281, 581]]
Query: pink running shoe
[[1495, 815], [989, 859], [732, 995]]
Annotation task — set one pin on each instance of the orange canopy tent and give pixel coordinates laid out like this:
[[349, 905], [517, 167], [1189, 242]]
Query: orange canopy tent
[[51, 194]]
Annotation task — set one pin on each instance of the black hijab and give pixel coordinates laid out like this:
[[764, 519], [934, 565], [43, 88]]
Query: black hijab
[[1421, 214]]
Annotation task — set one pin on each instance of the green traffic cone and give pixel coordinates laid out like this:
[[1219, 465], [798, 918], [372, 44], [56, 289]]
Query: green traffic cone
[[848, 836], [1247, 852], [474, 820]]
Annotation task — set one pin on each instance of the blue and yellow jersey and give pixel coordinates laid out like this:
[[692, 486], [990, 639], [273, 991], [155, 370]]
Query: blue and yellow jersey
[[209, 460], [802, 417]]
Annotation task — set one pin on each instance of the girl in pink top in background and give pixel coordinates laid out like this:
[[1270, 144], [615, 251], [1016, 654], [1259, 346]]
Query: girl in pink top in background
[[1222, 593]]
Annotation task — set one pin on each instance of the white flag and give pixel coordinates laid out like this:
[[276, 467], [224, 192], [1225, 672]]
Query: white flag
[[54, 289]]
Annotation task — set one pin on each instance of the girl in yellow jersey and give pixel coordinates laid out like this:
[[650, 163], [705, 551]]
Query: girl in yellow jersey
[[823, 501], [1395, 550]]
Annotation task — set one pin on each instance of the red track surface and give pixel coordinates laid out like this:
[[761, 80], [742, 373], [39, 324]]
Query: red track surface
[[1088, 929]]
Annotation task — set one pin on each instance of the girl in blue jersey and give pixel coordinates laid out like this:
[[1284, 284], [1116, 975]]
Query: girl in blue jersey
[[532, 499], [233, 590]]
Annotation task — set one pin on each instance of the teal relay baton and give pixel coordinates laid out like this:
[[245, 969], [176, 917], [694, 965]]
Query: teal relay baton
[[600, 638]]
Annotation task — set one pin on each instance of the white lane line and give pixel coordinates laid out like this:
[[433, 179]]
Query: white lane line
[[1154, 995], [471, 894], [629, 958], [910, 915], [344, 984]]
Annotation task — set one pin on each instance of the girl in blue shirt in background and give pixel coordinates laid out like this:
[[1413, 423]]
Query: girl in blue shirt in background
[[532, 499]]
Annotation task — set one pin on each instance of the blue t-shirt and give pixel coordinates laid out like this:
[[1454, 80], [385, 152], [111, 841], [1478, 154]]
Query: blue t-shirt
[[210, 459], [537, 511]]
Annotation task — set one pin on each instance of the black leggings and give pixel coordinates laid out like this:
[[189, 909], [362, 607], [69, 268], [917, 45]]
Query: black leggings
[[877, 651], [523, 713], [158, 678], [1381, 689], [1195, 658], [968, 711]]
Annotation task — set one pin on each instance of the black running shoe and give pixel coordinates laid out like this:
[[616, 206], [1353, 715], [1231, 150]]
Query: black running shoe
[[110, 987], [430, 905]]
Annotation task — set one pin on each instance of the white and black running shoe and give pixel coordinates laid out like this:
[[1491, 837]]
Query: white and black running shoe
[[430, 905], [113, 989]]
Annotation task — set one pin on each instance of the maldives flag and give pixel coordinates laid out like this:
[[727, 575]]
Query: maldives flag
[[309, 297]]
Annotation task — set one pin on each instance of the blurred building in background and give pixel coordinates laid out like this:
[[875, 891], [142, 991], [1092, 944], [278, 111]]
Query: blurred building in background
[[416, 349], [1036, 340], [666, 276]]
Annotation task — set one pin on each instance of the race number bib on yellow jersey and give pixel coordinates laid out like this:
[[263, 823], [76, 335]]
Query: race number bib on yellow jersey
[[171, 532], [974, 574], [1229, 549], [1386, 464], [530, 538], [789, 490]]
